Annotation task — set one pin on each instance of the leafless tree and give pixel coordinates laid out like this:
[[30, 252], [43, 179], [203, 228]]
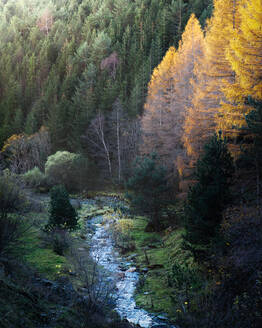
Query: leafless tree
[[99, 291], [110, 63], [46, 21], [114, 139], [96, 136]]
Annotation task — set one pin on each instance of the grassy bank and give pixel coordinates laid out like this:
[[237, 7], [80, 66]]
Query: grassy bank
[[156, 255]]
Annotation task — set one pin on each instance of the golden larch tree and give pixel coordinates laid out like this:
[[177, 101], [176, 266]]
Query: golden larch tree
[[190, 51], [245, 53], [213, 71], [169, 96], [157, 107]]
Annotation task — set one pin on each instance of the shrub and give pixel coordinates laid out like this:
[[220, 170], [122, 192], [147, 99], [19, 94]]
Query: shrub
[[11, 198], [58, 239], [22, 152], [62, 215], [11, 201], [69, 169], [34, 177], [121, 230]]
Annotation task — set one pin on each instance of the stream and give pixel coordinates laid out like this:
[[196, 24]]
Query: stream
[[123, 272]]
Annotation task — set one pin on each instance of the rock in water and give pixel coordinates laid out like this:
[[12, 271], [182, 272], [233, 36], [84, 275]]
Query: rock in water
[[132, 269]]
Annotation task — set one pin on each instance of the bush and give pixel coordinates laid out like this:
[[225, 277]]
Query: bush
[[11, 197], [34, 178], [58, 239], [11, 201], [69, 169], [121, 230], [62, 214], [22, 152]]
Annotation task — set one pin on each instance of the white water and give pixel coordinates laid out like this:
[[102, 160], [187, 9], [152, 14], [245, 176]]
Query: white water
[[103, 251]]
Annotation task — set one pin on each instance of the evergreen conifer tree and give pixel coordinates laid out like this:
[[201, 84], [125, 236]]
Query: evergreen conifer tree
[[149, 189], [61, 214], [206, 199]]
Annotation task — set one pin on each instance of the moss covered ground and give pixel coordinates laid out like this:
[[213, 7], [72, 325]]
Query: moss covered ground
[[156, 252]]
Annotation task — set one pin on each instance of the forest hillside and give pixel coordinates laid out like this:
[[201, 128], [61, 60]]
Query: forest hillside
[[131, 128]]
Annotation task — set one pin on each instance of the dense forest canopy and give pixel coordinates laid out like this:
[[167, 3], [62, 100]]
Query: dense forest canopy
[[63, 61]]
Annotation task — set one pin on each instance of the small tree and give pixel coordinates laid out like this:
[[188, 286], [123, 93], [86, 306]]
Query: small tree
[[11, 203], [208, 196], [148, 189], [62, 214]]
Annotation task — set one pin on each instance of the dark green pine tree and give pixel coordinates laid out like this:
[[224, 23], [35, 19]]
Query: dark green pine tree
[[148, 189], [254, 123], [207, 198], [62, 215]]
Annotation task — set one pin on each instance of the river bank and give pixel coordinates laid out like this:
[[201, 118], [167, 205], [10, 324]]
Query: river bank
[[136, 299], [127, 271]]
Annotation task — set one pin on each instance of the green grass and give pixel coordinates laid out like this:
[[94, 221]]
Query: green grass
[[32, 250], [43, 259], [154, 292]]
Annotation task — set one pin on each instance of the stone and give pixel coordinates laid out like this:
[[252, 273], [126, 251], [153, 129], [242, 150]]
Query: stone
[[123, 267], [162, 317], [132, 269], [131, 257], [121, 275], [81, 249]]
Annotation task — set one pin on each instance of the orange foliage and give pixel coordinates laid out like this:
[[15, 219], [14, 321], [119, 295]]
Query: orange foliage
[[244, 55], [213, 71], [169, 95]]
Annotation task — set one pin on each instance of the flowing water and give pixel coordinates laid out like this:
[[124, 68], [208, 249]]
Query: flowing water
[[104, 252]]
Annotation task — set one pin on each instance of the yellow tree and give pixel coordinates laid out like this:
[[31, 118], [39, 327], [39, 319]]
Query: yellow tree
[[245, 53], [169, 95], [157, 107], [213, 71], [190, 51]]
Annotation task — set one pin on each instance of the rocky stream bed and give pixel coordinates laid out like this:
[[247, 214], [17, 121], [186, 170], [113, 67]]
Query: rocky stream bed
[[123, 273]]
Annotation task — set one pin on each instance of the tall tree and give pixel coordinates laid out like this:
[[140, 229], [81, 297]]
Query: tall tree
[[170, 94], [213, 71], [206, 199], [148, 189], [244, 55], [157, 108]]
